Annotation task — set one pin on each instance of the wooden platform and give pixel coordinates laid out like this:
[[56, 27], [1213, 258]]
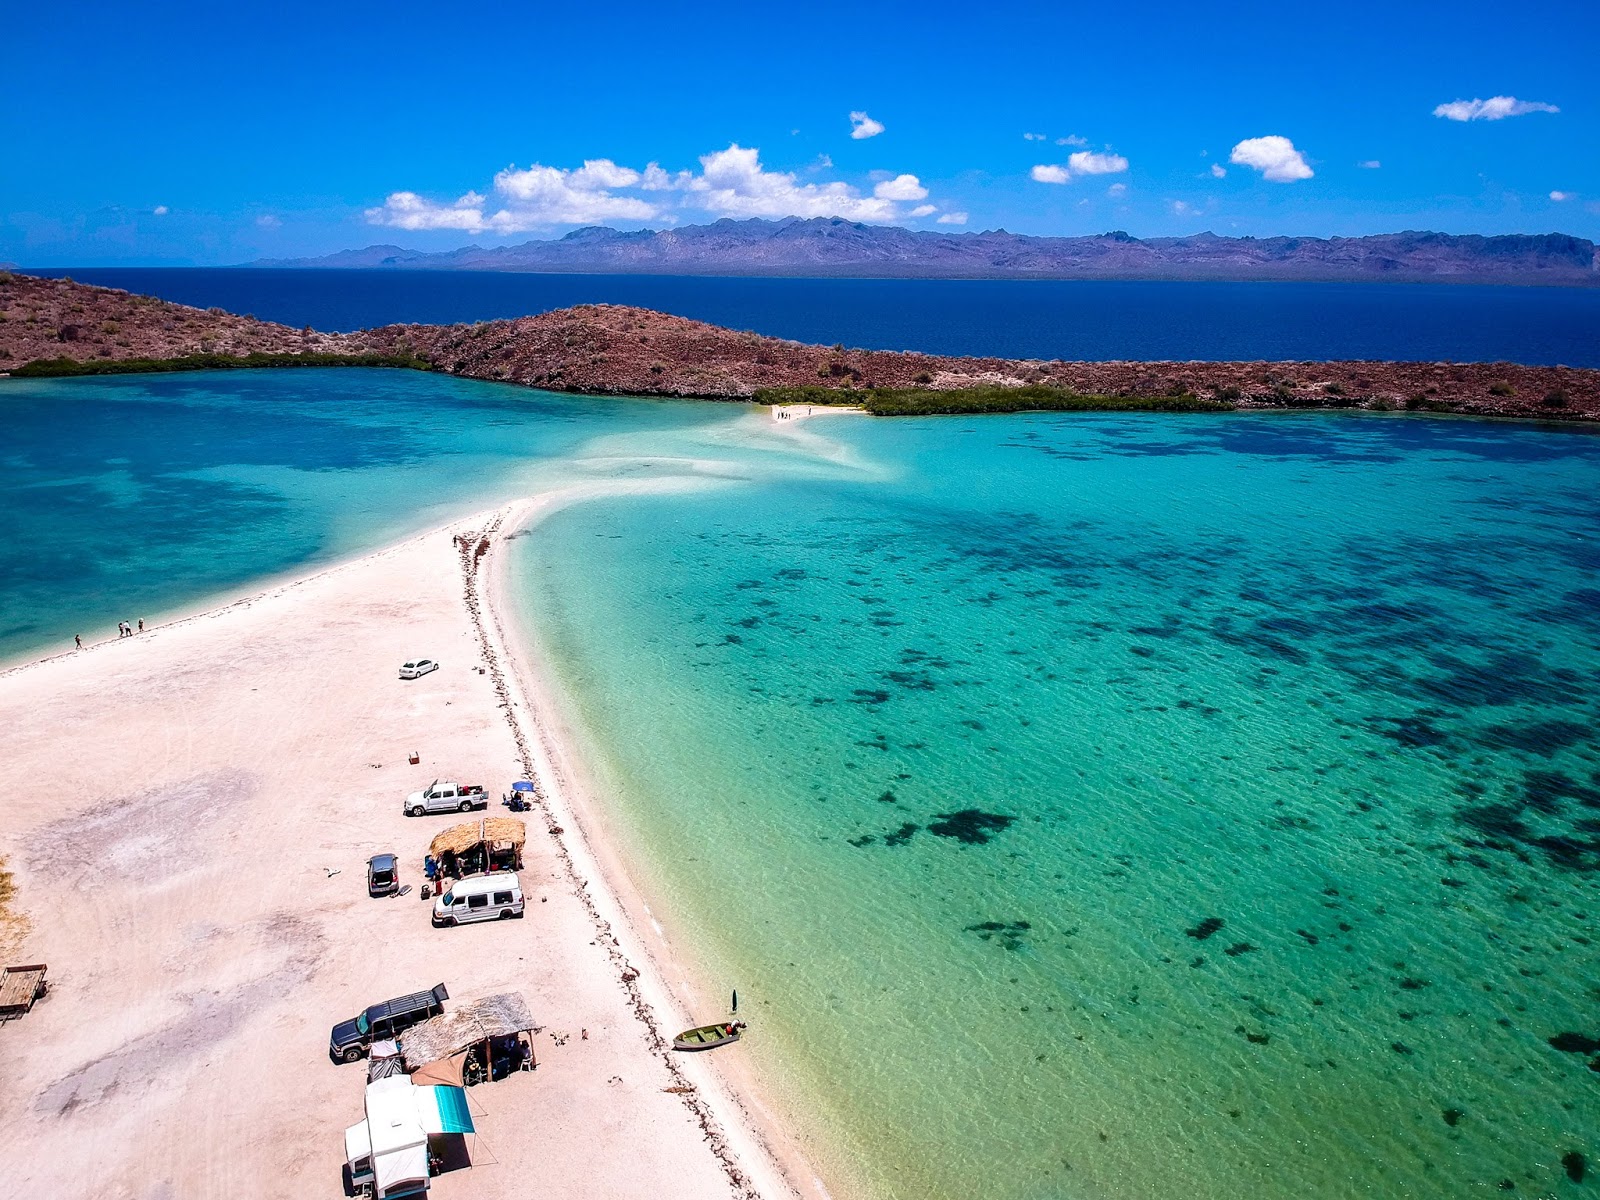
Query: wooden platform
[[19, 988]]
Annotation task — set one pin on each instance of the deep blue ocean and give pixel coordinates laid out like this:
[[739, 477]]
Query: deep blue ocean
[[1069, 319]]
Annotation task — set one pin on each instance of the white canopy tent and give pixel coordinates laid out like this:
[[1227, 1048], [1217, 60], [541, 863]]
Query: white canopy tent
[[390, 1148]]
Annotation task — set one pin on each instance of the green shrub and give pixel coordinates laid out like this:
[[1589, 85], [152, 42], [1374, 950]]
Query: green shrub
[[1556, 399], [1501, 388]]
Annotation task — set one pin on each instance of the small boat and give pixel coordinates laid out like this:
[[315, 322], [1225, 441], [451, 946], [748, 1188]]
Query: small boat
[[708, 1037]]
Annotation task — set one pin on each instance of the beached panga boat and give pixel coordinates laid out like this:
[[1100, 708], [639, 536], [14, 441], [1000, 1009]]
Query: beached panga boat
[[708, 1037]]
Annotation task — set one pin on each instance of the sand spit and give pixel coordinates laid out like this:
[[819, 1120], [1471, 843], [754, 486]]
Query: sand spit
[[189, 851]]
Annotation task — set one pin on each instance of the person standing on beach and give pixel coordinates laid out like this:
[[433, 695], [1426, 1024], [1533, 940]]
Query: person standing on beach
[[141, 624]]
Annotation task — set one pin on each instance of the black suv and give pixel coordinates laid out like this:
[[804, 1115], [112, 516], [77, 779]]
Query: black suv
[[352, 1039]]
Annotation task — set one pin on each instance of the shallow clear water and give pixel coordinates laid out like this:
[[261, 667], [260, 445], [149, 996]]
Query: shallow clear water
[[1102, 806], [130, 497]]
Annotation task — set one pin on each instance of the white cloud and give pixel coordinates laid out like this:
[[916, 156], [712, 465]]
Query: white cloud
[[160, 210], [1047, 173], [268, 221], [863, 126], [952, 218], [1117, 191], [730, 183], [1558, 197], [1182, 208], [1033, 137], [901, 187], [1495, 108], [1370, 164], [1086, 163], [1072, 139], [1275, 157], [1219, 171], [734, 184]]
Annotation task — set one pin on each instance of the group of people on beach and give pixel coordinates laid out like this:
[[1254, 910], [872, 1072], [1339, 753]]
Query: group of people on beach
[[124, 629]]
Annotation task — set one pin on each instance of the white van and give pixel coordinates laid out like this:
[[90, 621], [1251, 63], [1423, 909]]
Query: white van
[[479, 898]]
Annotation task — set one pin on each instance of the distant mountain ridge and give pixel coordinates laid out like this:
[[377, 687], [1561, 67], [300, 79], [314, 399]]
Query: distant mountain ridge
[[822, 246]]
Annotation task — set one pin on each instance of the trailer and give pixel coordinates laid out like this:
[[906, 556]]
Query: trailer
[[19, 988]]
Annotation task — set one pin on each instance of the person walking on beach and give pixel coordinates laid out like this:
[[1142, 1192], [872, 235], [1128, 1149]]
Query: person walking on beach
[[78, 637], [122, 629], [141, 624]]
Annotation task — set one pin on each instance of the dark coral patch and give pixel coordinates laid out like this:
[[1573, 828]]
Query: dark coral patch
[[1238, 948], [1575, 1043], [1575, 1165], [970, 826], [1008, 933], [1205, 928], [900, 836], [1415, 732]]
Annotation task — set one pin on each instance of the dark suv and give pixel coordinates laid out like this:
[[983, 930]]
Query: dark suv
[[353, 1038]]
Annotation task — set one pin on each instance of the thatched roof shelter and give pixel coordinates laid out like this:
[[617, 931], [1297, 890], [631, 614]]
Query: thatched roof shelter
[[502, 1015], [498, 832]]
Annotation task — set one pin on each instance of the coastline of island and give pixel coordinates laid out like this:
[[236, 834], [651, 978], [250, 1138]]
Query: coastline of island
[[61, 328]]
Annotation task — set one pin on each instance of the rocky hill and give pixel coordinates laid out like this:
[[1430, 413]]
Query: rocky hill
[[613, 350], [57, 318], [834, 247]]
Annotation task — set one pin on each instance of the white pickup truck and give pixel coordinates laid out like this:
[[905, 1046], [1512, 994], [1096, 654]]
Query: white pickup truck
[[444, 795]]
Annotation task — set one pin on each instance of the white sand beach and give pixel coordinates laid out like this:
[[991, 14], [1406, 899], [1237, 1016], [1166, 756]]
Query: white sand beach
[[191, 813]]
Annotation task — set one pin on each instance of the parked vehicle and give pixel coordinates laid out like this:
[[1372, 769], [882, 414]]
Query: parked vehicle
[[445, 795], [496, 896], [417, 668], [351, 1039], [383, 875]]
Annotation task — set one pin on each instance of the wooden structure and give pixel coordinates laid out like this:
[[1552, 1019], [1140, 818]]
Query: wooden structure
[[482, 1039], [20, 987], [488, 844]]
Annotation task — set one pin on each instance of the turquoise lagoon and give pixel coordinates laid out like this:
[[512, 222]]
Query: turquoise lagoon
[[135, 496], [1091, 806], [1123, 806]]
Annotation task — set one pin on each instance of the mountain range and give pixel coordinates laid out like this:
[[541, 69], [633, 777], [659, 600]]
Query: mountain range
[[822, 246]]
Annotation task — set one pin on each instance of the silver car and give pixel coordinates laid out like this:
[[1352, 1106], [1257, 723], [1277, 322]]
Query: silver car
[[417, 669]]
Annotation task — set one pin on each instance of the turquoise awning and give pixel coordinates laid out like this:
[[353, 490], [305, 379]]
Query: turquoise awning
[[444, 1110]]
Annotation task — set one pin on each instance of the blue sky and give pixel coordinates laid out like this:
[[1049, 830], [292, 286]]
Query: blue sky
[[213, 134]]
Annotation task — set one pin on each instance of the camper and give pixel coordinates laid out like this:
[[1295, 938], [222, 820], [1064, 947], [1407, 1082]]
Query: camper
[[405, 1139], [479, 898]]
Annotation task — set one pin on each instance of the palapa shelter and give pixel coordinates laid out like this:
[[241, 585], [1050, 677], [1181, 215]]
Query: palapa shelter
[[485, 1038], [488, 844]]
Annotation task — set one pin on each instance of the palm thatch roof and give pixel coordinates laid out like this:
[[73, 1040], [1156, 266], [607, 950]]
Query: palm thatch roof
[[439, 1037], [497, 831]]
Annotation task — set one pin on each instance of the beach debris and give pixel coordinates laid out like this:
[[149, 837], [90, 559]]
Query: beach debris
[[332, 871], [678, 1090]]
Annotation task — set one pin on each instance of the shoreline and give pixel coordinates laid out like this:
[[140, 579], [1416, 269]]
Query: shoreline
[[219, 651], [589, 851]]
